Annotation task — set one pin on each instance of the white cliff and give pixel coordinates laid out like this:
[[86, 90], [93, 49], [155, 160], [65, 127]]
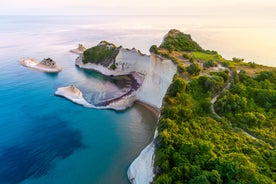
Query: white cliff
[[126, 61], [141, 170], [158, 73], [158, 79]]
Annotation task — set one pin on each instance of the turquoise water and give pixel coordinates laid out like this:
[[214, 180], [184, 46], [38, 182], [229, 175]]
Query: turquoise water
[[48, 139]]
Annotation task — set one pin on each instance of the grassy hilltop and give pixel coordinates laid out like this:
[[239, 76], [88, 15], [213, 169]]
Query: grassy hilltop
[[218, 122]]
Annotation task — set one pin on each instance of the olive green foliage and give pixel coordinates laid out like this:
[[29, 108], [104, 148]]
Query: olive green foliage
[[98, 53], [193, 147], [113, 66], [206, 56], [252, 64], [251, 104], [209, 63], [194, 69], [214, 83], [154, 49], [178, 41], [178, 86], [237, 60]]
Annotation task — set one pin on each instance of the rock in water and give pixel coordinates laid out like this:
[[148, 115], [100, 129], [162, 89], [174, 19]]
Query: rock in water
[[49, 63]]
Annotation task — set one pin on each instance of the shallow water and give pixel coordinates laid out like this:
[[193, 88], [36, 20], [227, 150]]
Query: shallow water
[[47, 139]]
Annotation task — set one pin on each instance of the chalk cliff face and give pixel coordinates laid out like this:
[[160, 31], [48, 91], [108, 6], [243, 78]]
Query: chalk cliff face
[[132, 61], [158, 73], [126, 61], [158, 78]]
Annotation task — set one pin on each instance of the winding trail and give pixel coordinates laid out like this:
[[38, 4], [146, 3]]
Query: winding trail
[[214, 99], [225, 87]]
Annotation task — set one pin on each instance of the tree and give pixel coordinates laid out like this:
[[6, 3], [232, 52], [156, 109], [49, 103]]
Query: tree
[[194, 69], [209, 64]]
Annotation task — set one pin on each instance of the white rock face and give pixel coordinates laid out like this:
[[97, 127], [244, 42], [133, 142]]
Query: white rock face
[[141, 169], [157, 80], [157, 70], [132, 61], [126, 61]]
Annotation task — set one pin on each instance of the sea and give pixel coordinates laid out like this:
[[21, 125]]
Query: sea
[[48, 139]]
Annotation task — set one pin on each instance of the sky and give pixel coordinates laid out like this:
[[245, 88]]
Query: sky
[[138, 7]]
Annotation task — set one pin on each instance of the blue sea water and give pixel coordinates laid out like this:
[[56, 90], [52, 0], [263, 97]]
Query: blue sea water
[[48, 139]]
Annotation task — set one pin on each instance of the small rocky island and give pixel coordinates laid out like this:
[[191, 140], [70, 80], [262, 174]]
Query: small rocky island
[[46, 65], [74, 94], [79, 50]]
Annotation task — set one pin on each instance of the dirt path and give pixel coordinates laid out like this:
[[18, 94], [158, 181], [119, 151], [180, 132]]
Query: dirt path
[[225, 87], [214, 99]]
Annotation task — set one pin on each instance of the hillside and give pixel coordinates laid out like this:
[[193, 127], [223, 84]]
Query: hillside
[[178, 41], [218, 119]]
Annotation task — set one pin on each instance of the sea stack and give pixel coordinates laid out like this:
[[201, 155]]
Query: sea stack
[[46, 65], [79, 50]]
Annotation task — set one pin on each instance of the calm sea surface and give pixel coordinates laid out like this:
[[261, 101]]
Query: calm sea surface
[[47, 139]]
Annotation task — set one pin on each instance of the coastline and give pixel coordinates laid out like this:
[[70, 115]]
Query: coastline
[[154, 110], [141, 170]]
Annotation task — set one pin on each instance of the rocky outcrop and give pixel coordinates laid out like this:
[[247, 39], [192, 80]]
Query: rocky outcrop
[[46, 65], [48, 62], [79, 50], [73, 94]]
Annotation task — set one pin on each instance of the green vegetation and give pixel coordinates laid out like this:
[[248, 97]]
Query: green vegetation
[[154, 49], [237, 60], [206, 56], [194, 69], [113, 66], [209, 63], [178, 41], [194, 145], [251, 104], [99, 53]]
